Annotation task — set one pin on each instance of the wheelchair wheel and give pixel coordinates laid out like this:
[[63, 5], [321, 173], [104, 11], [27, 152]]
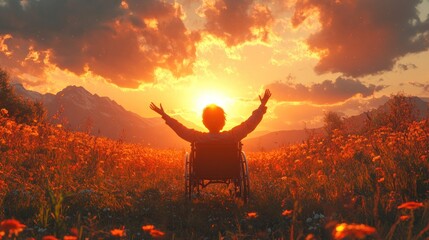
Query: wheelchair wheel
[[244, 179], [188, 184], [192, 185]]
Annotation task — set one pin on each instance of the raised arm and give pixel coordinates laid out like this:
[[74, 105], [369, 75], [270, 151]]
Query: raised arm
[[241, 131], [265, 98], [185, 133], [157, 109]]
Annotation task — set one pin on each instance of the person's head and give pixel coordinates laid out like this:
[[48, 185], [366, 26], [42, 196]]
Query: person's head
[[213, 118]]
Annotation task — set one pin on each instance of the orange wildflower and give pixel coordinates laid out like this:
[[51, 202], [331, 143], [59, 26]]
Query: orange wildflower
[[49, 237], [70, 238], [12, 226], [287, 212], [124, 5], [376, 158], [4, 111], [252, 215], [147, 228], [310, 237], [358, 231], [118, 232], [156, 233], [380, 180], [404, 217], [74, 231], [410, 205]]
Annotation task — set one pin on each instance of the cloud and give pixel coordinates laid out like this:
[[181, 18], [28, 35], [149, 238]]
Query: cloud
[[327, 92], [405, 67], [298, 113], [298, 116], [237, 21], [19, 54], [363, 37], [124, 42], [424, 87]]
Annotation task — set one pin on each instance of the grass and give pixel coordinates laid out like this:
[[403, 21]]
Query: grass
[[72, 185]]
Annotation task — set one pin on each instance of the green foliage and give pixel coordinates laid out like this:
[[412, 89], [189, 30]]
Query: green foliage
[[23, 111], [55, 200]]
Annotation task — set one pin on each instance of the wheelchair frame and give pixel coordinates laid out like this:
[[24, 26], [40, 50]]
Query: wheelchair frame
[[194, 183]]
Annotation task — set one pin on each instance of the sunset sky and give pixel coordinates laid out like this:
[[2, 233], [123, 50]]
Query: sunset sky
[[314, 55]]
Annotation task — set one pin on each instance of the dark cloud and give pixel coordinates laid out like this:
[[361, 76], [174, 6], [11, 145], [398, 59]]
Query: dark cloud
[[124, 42], [406, 67], [362, 37], [18, 54], [424, 87], [238, 21], [327, 92]]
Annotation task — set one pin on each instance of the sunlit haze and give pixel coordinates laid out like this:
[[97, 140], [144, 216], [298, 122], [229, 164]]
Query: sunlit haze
[[207, 98]]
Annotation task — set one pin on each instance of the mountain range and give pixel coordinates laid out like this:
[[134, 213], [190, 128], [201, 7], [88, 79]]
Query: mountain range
[[79, 110], [352, 124]]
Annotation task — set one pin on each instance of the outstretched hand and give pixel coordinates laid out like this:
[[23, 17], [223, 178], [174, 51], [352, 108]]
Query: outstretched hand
[[157, 109], [265, 98]]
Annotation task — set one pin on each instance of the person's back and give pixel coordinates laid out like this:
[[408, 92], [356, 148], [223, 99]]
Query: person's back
[[214, 121]]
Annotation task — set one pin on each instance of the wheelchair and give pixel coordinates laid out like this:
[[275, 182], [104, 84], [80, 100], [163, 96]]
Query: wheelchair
[[212, 162]]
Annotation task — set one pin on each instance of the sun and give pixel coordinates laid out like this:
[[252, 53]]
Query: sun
[[212, 97]]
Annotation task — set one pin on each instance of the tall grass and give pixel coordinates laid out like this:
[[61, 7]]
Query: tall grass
[[64, 183]]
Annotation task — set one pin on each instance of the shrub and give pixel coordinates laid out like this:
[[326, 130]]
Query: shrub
[[23, 111]]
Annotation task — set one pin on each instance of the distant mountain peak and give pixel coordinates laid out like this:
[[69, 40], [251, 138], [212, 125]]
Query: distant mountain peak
[[75, 90], [27, 94], [102, 116]]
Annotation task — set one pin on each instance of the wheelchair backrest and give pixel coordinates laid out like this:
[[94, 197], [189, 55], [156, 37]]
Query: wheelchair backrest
[[214, 160]]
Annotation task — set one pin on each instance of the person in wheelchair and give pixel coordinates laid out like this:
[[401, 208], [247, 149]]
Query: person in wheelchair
[[214, 121], [216, 156]]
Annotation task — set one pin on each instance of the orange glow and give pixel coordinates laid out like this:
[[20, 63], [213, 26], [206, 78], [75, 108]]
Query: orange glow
[[3, 47], [32, 55], [151, 23], [211, 97], [359, 231]]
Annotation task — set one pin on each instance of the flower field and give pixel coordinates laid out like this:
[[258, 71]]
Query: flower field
[[58, 184]]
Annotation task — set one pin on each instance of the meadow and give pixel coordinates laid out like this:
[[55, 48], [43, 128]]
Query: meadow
[[59, 184]]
